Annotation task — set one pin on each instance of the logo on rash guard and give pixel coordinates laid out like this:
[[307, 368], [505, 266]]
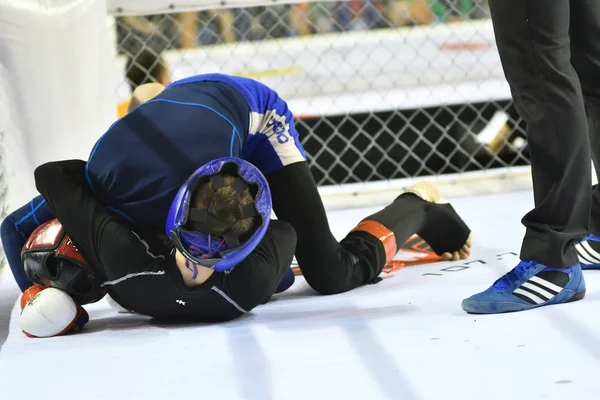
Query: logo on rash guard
[[275, 125]]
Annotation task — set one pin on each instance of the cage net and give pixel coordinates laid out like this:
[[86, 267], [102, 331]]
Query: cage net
[[3, 203], [3, 171], [380, 89]]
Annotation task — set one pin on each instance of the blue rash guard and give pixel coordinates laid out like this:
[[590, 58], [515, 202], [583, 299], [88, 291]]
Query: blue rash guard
[[137, 167]]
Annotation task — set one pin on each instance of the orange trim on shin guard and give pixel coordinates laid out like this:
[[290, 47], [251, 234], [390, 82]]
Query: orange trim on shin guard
[[382, 233]]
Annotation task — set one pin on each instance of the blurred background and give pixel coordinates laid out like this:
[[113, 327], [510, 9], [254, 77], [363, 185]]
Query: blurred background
[[380, 89]]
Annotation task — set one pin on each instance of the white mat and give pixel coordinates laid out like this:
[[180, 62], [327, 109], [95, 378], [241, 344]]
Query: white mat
[[404, 338]]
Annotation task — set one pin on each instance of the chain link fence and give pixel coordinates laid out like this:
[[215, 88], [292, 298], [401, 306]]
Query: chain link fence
[[380, 89]]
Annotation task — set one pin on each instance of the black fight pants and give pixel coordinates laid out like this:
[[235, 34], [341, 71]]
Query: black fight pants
[[550, 52]]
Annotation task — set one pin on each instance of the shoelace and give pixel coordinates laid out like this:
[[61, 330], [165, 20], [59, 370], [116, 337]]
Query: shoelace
[[513, 276], [591, 237]]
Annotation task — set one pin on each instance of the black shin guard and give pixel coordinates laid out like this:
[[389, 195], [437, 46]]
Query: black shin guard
[[396, 223], [438, 224]]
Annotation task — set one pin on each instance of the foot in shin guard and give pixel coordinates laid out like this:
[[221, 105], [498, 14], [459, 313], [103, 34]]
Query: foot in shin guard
[[444, 230]]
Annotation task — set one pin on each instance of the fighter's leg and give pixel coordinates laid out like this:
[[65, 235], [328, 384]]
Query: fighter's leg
[[330, 267], [327, 266], [15, 231]]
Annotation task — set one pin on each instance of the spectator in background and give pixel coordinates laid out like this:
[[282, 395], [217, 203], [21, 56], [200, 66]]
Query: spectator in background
[[278, 21], [300, 19], [136, 33], [210, 27], [239, 24], [321, 16], [146, 67], [408, 12], [259, 23], [452, 10], [424, 12], [206, 28], [360, 14]]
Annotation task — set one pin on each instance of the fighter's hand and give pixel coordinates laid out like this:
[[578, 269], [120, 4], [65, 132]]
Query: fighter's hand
[[462, 254]]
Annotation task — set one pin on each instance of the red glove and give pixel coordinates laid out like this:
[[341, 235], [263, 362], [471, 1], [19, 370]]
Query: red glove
[[51, 259]]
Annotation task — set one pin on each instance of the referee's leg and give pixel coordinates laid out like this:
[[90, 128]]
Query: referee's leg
[[534, 47], [585, 49], [585, 57]]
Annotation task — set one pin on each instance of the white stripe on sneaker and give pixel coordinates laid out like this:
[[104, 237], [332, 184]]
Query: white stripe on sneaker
[[583, 256], [546, 284], [529, 295], [593, 254], [538, 290]]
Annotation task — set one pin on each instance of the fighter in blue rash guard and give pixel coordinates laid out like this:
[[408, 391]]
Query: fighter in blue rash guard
[[138, 166]]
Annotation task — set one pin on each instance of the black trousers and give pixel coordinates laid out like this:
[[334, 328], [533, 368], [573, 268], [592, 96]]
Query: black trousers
[[550, 52], [330, 266]]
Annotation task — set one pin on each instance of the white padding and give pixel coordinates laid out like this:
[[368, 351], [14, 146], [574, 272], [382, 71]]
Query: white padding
[[142, 7], [57, 79], [48, 313]]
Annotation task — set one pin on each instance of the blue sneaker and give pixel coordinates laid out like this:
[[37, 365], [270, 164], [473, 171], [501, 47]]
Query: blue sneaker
[[588, 252], [528, 285]]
